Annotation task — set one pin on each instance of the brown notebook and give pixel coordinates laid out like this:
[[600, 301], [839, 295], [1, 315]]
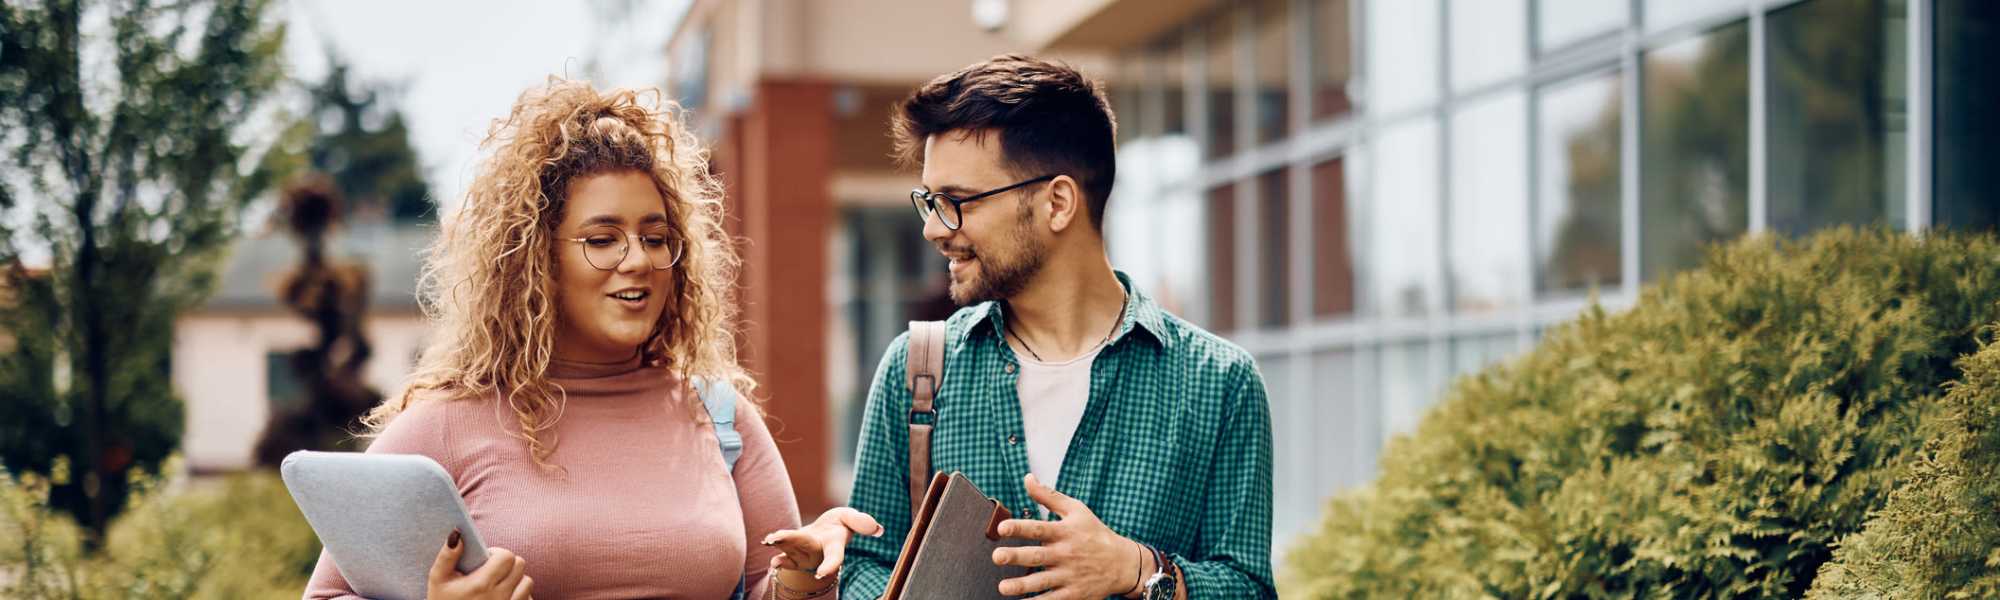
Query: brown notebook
[[949, 552]]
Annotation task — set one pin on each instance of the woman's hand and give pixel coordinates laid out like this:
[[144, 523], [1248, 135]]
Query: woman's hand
[[503, 577], [821, 546]]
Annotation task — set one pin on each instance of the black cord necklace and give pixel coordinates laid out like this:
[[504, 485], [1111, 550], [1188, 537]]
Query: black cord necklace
[[1107, 335]]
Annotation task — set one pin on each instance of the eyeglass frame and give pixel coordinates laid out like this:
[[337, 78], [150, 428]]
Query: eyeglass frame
[[922, 198], [680, 249]]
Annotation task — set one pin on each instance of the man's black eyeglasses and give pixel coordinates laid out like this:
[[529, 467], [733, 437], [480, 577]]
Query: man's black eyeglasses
[[926, 202]]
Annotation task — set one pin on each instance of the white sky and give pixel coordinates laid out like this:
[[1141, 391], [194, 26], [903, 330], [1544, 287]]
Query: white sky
[[460, 64]]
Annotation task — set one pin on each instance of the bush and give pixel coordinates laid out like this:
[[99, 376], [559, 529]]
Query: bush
[[1939, 534], [1715, 440], [240, 537]]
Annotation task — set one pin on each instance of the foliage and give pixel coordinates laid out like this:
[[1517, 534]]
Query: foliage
[[1939, 534], [240, 537], [1715, 440], [122, 126]]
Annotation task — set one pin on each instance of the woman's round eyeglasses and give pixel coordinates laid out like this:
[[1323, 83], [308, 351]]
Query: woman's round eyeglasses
[[605, 247]]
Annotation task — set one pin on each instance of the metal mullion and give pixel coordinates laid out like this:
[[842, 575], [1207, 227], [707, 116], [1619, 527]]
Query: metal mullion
[[1759, 118], [1524, 330], [1631, 86], [1918, 115], [1300, 89], [1444, 111], [1249, 310]]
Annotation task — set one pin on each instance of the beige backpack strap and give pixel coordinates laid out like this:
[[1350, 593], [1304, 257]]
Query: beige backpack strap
[[924, 364]]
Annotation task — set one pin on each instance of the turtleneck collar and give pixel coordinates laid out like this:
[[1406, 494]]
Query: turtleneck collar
[[572, 369]]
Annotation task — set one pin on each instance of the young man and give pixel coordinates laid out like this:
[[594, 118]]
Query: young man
[[1154, 434]]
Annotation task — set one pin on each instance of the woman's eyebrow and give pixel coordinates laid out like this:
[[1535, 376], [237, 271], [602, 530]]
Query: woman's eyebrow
[[608, 219]]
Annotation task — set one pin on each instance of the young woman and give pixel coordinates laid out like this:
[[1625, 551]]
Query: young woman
[[575, 299]]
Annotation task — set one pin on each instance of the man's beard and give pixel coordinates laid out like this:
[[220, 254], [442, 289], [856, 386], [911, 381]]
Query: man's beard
[[1001, 277]]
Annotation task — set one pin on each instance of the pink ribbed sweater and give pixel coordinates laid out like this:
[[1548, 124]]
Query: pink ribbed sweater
[[645, 509]]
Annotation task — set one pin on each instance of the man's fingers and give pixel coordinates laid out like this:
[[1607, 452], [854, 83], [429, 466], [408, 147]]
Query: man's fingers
[[1048, 497], [446, 564], [524, 590], [1033, 556], [1040, 581], [1029, 529]]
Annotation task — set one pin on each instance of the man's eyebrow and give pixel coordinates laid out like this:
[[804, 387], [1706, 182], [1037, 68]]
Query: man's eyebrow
[[954, 190]]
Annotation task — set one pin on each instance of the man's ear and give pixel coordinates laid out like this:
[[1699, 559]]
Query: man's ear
[[1065, 203]]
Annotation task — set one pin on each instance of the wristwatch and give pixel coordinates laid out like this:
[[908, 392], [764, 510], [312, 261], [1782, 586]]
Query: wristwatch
[[1165, 579]]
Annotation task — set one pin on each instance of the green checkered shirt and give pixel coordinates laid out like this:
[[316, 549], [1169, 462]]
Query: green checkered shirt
[[1174, 449]]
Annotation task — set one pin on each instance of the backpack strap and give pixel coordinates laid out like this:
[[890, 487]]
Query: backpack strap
[[720, 400], [924, 366]]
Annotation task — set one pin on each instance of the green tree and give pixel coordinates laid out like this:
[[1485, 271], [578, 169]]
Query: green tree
[[123, 129], [359, 139]]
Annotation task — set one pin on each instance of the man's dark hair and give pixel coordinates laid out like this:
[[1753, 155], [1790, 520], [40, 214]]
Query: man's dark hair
[[1050, 118]]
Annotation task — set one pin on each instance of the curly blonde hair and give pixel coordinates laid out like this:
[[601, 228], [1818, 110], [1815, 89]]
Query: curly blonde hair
[[488, 286]]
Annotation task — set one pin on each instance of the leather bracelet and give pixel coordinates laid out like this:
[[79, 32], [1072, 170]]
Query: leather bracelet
[[1139, 585]]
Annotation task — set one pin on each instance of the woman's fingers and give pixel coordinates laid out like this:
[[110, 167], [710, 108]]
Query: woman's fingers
[[832, 553], [859, 522], [446, 564], [514, 575], [499, 562]]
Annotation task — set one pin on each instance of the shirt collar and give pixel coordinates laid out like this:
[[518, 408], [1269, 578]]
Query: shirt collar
[[1141, 314]]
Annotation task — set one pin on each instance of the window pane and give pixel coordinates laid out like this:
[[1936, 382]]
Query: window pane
[[1695, 170], [1402, 54], [1127, 90], [1472, 354], [1292, 441], [1273, 93], [1221, 90], [1409, 385], [1489, 204], [1837, 122], [1346, 425], [1578, 213], [1404, 264], [1489, 41], [1222, 258], [1561, 22], [1333, 60], [1333, 260], [1667, 14], [1274, 249], [1967, 128], [1170, 67]]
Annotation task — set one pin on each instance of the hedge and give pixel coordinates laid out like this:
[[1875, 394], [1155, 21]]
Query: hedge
[[239, 537], [1717, 439]]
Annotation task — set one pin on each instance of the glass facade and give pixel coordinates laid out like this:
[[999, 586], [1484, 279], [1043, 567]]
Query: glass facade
[[1386, 194]]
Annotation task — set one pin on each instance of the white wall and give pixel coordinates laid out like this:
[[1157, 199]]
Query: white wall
[[219, 371]]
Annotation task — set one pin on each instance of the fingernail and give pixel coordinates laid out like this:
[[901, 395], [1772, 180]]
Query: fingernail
[[452, 542]]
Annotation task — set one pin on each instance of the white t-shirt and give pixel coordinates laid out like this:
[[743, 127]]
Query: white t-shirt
[[1053, 396]]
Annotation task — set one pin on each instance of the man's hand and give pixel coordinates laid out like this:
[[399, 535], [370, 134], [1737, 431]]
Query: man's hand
[[1081, 559]]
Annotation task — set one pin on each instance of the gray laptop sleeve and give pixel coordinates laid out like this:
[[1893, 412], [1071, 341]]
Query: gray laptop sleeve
[[382, 517]]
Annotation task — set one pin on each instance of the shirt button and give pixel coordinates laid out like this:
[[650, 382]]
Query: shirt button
[[1009, 367], [1013, 440]]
